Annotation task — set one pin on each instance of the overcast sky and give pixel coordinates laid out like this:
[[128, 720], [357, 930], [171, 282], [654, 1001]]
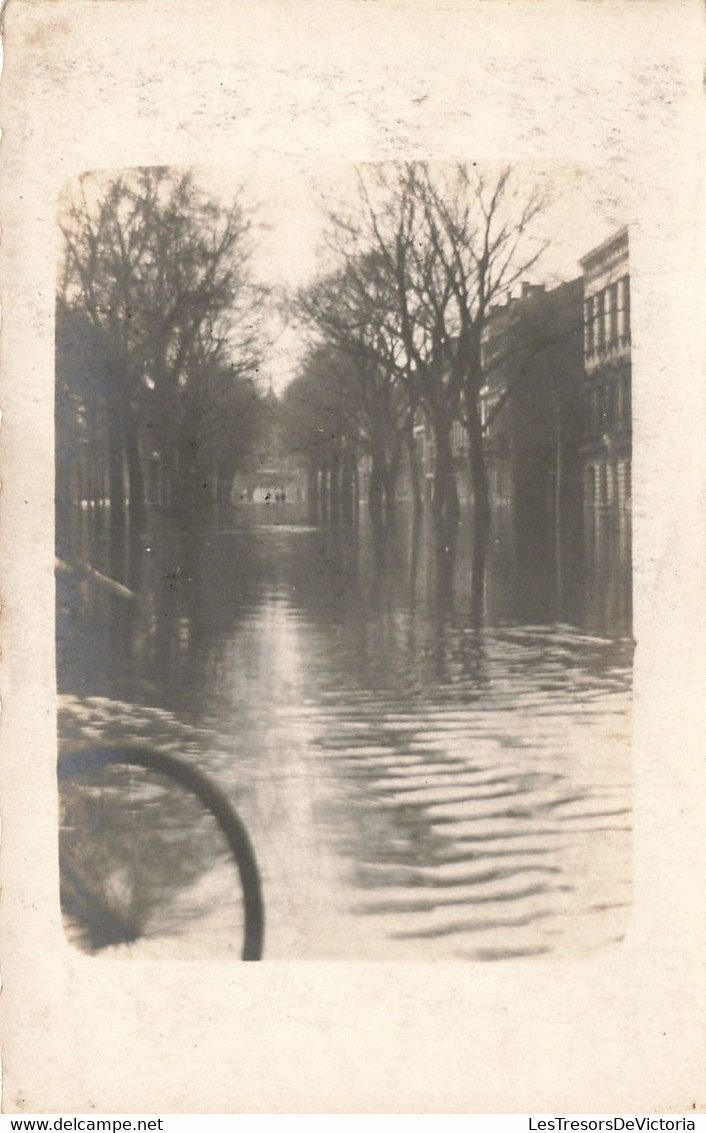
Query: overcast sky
[[292, 204]]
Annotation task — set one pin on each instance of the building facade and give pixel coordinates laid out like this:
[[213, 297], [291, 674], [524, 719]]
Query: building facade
[[532, 408], [607, 444], [425, 445]]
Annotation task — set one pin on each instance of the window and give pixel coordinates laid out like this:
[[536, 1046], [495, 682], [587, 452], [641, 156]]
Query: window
[[620, 392], [600, 319], [609, 413], [625, 307], [610, 471], [605, 405], [613, 314], [624, 405], [603, 483], [589, 338]]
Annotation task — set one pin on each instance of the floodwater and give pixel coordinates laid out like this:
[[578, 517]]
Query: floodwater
[[417, 783]]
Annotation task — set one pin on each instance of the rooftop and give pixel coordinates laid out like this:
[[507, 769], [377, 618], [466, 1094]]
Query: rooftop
[[614, 241]]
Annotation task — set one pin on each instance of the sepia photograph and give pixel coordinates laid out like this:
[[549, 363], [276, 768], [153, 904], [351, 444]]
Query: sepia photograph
[[352, 552], [344, 648]]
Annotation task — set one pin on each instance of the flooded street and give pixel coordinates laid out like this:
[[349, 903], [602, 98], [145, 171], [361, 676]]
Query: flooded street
[[416, 785]]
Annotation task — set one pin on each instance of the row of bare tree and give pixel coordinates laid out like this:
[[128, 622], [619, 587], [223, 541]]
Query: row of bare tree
[[158, 343], [397, 325]]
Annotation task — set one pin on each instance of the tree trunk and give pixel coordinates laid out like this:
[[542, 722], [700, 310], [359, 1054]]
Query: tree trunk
[[479, 476], [324, 495], [415, 474], [481, 506], [116, 478], [135, 476], [335, 491], [376, 487], [347, 487], [356, 487], [415, 544], [445, 500], [478, 564], [312, 491], [391, 475], [446, 540]]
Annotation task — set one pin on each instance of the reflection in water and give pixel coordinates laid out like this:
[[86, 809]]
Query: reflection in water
[[415, 784]]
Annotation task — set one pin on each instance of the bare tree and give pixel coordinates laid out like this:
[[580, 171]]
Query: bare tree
[[160, 271], [479, 225], [318, 425], [350, 312], [447, 243]]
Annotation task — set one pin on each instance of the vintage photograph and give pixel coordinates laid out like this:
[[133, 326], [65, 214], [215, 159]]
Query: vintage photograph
[[352, 610], [343, 562]]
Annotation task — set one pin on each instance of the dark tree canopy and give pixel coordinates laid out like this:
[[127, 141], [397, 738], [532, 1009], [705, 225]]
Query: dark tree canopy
[[160, 273], [423, 258]]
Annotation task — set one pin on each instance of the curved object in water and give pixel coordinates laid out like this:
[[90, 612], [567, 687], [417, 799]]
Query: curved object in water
[[213, 798]]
